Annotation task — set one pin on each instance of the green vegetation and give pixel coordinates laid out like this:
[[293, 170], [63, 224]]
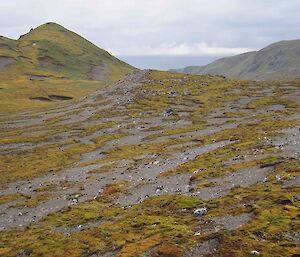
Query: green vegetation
[[259, 65], [159, 219], [51, 60], [160, 225], [276, 211], [46, 159]]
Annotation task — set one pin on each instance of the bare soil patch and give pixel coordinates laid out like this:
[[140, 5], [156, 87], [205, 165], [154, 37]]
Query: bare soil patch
[[4, 61], [60, 97], [47, 61], [4, 46], [99, 72], [40, 98], [37, 77]]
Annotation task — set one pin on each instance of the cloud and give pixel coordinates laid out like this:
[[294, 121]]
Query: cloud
[[190, 27], [199, 49]]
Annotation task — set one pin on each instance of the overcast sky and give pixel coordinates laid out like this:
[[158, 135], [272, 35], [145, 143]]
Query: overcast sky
[[161, 27]]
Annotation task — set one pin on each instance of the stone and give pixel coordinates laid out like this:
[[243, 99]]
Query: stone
[[200, 211], [255, 253], [168, 112], [75, 200], [173, 93]]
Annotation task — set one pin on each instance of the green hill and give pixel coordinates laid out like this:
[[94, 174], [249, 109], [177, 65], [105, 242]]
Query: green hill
[[51, 49], [280, 60], [53, 60]]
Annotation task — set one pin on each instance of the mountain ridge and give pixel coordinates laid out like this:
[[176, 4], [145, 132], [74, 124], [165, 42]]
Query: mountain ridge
[[280, 60]]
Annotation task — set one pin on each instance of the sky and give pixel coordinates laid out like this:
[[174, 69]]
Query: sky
[[161, 27]]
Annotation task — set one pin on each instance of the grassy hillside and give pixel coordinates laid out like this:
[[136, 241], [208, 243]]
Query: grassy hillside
[[278, 61], [52, 60]]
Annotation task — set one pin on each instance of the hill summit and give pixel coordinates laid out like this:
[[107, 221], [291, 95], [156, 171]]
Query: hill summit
[[52, 50]]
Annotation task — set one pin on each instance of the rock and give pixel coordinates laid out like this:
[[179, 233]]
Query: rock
[[284, 202], [173, 93], [168, 112], [75, 200], [200, 211], [159, 189], [185, 93], [255, 253]]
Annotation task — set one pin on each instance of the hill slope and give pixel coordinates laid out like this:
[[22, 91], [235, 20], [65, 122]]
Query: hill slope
[[51, 60], [280, 60], [51, 49]]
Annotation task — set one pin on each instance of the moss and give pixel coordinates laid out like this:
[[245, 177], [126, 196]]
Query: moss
[[169, 251], [46, 159], [164, 225], [10, 198], [263, 102], [134, 230], [32, 201], [82, 213], [275, 215], [134, 249], [114, 189]]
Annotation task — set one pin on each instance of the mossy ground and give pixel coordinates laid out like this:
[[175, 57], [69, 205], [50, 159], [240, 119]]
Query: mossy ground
[[162, 225]]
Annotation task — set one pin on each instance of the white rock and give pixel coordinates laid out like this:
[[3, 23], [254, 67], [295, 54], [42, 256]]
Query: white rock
[[255, 253], [200, 211]]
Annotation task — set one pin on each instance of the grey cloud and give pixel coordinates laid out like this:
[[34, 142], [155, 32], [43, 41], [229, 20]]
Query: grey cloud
[[126, 26]]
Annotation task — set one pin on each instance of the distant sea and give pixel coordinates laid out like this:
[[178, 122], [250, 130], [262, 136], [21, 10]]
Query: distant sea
[[163, 62]]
